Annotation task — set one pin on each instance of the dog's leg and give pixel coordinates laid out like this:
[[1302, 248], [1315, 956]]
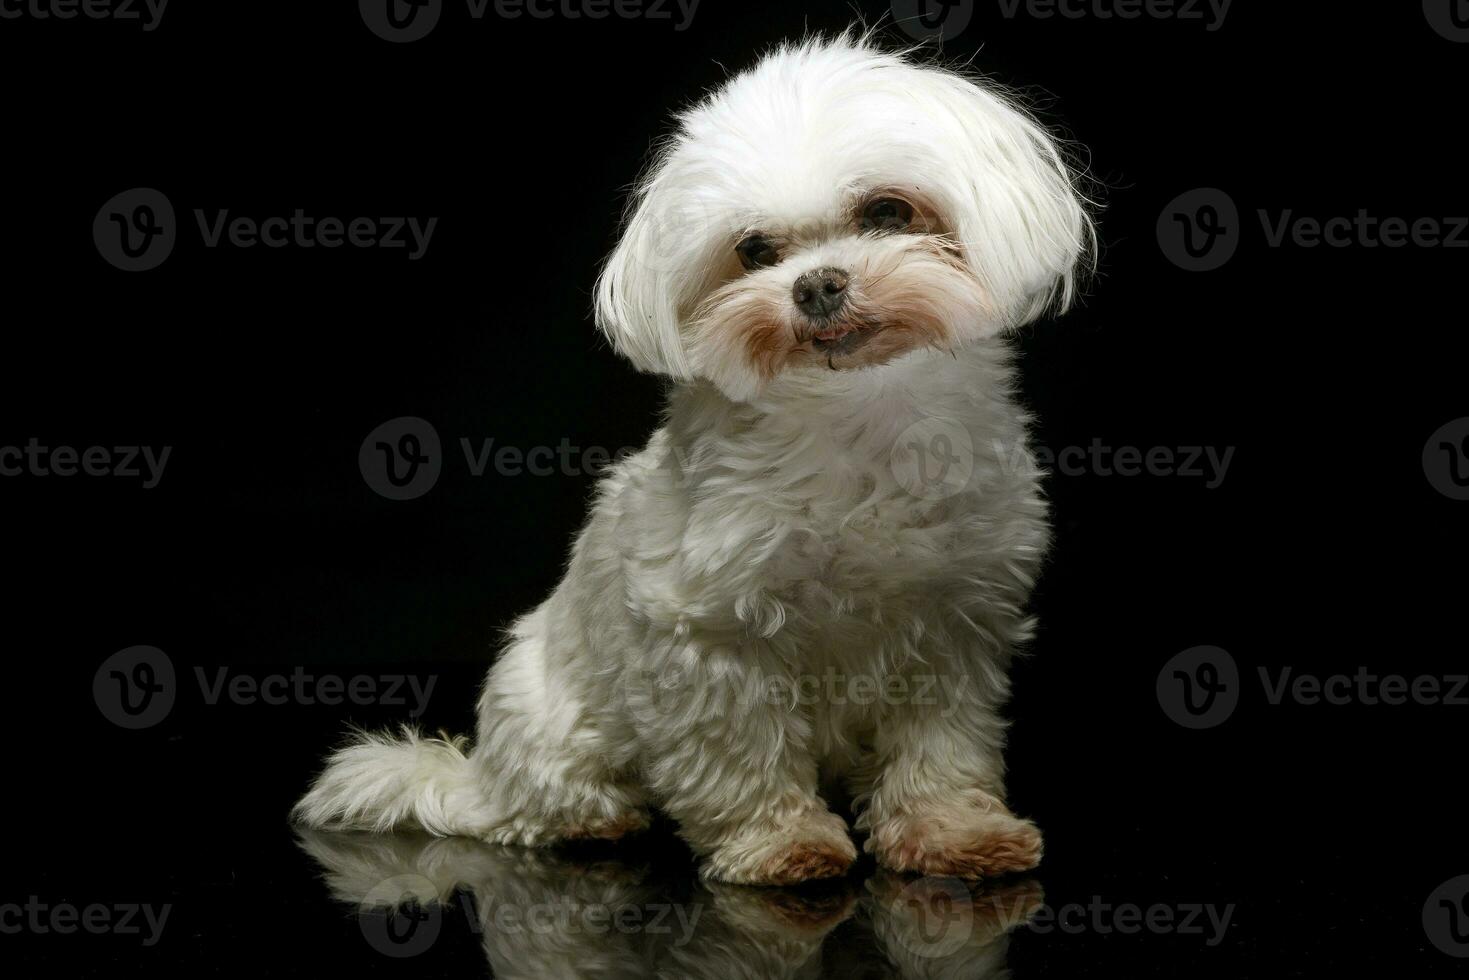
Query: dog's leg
[[937, 807], [727, 756], [554, 762], [547, 790]]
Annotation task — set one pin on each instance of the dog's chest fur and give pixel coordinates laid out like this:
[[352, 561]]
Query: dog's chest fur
[[794, 516]]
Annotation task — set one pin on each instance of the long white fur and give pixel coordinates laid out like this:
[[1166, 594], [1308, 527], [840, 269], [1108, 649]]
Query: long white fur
[[763, 534]]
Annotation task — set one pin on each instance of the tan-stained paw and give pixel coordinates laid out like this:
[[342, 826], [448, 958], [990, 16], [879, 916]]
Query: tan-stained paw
[[806, 861], [815, 846], [966, 843], [608, 828]]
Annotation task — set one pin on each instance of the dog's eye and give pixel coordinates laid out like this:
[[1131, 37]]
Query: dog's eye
[[887, 214], [757, 252]]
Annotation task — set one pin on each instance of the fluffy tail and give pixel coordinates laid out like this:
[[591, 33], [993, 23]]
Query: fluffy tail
[[377, 782]]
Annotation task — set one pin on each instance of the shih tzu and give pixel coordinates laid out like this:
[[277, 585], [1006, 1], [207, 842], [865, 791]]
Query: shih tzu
[[777, 601]]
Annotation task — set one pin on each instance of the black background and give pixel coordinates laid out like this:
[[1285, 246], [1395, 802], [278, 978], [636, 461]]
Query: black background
[[262, 548]]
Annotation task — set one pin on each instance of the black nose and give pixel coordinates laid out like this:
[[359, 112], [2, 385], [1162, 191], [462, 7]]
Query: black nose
[[821, 293]]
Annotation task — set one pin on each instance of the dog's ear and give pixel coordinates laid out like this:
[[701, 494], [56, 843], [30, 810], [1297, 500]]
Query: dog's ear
[[1023, 221], [648, 278]]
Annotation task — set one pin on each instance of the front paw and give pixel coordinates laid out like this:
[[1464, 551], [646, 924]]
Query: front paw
[[809, 848], [966, 842]]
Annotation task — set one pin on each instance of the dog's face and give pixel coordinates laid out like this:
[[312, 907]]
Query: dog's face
[[835, 209]]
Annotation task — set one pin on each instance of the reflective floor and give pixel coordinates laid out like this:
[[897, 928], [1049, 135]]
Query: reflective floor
[[538, 914], [182, 860], [175, 857]]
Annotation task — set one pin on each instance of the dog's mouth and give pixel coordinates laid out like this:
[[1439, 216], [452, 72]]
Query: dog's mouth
[[842, 339]]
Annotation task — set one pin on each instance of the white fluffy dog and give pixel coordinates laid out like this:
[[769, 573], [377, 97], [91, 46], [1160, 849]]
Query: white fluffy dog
[[776, 598]]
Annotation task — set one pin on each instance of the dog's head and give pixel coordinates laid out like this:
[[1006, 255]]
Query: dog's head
[[838, 208]]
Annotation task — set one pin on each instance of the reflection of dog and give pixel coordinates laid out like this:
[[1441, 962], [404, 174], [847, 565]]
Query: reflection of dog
[[825, 258], [544, 914]]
